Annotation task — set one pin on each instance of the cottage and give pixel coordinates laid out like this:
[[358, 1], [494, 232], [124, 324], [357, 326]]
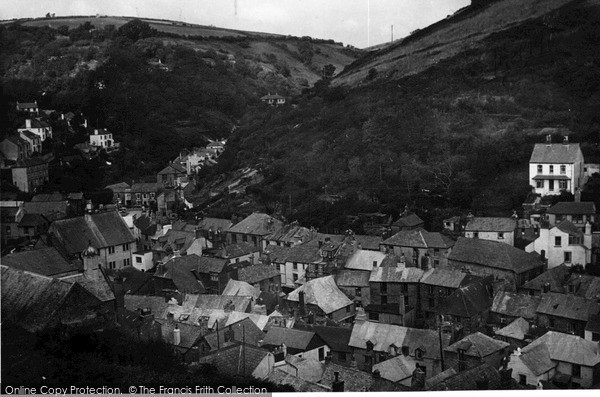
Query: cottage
[[179, 274], [294, 262], [323, 298], [576, 212], [592, 329], [215, 273], [241, 361], [29, 174], [103, 139], [236, 252], [106, 232], [419, 248], [255, 228], [243, 331], [171, 175], [289, 235], [509, 306], [121, 193], [10, 217], [214, 230], [355, 284], [566, 313], [337, 338], [398, 369], [273, 99], [552, 280], [482, 377], [494, 229], [517, 333], [533, 366], [39, 127], [240, 288], [407, 222], [556, 167], [144, 194], [564, 244], [473, 350], [264, 277], [31, 108], [575, 357], [15, 148], [504, 262]]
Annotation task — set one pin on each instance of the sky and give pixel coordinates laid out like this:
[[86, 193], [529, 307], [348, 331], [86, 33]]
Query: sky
[[357, 22]]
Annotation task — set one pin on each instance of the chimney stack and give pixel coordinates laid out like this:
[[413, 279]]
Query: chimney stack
[[577, 195], [176, 335], [337, 386], [566, 140], [28, 123], [548, 139]]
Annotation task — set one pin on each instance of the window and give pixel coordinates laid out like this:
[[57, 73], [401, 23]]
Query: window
[[567, 256], [436, 262], [562, 185], [576, 371], [138, 259], [126, 247], [430, 290], [522, 379], [384, 300], [577, 218], [551, 185], [358, 292], [551, 169], [405, 350], [348, 310], [214, 277], [501, 235], [404, 288], [563, 169], [244, 238], [138, 196], [539, 169], [111, 250], [112, 265], [551, 323], [383, 288], [233, 239], [436, 252], [152, 195], [539, 184], [431, 302], [418, 354], [422, 368], [295, 266], [295, 277], [475, 234], [574, 240], [126, 262], [557, 241]]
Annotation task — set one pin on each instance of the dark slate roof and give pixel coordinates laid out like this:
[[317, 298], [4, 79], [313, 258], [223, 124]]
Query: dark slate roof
[[105, 229], [469, 379], [337, 338], [272, 96], [236, 359], [477, 345], [27, 105], [257, 224], [569, 228], [50, 209], [469, 300], [593, 324], [181, 271], [31, 300], [146, 187], [29, 220], [45, 261], [572, 208], [55, 196], [555, 153], [568, 306], [368, 242], [410, 220], [209, 265], [156, 304], [322, 292], [75, 196], [134, 280], [517, 329], [290, 233], [555, 277], [489, 224], [215, 224], [243, 331], [236, 250], [585, 285], [396, 274], [257, 273], [30, 135], [220, 302], [99, 288], [292, 338], [448, 278], [419, 238], [304, 253], [32, 162], [36, 123], [494, 254], [515, 305], [568, 348], [146, 225], [537, 359], [173, 168], [352, 278]]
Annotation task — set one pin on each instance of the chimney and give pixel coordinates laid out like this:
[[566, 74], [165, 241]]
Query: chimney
[[548, 139], [28, 123], [546, 288], [566, 140], [62, 116], [337, 386], [577, 195], [176, 335], [85, 123], [302, 303]]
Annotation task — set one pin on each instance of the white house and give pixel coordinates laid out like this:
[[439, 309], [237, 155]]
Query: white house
[[554, 167], [564, 243], [142, 260], [102, 138], [494, 229], [38, 127], [532, 366]]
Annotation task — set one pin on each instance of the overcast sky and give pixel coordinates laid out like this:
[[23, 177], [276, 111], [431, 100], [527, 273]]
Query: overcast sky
[[357, 22]]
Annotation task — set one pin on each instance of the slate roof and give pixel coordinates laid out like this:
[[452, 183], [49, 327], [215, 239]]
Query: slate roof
[[469, 300], [31, 300], [555, 277], [220, 302], [257, 224], [365, 260], [489, 224], [572, 208], [134, 280], [290, 233], [240, 288], [537, 359], [555, 153], [27, 105], [419, 238], [494, 254], [257, 273], [439, 378], [337, 338], [99, 288], [145, 224], [398, 274], [396, 369], [30, 220], [236, 250], [181, 271], [24, 163], [173, 168], [306, 368], [152, 187], [50, 209], [120, 187], [368, 242], [243, 331], [469, 379], [304, 253], [103, 230], [215, 224], [352, 278], [54, 196], [478, 345], [410, 220], [515, 305], [30, 135], [585, 285], [260, 320], [568, 348], [36, 123], [280, 377], [322, 292], [209, 265], [189, 333], [569, 228], [568, 306], [593, 324], [515, 330], [292, 338], [156, 304], [45, 261], [237, 360], [448, 278]]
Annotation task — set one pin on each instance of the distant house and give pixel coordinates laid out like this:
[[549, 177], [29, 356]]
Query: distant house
[[214, 230], [144, 193], [302, 344], [106, 232], [355, 284], [473, 350], [35, 143], [407, 222], [578, 213], [419, 248], [452, 224], [532, 366], [578, 359], [171, 175], [398, 369], [566, 313], [38, 127], [293, 262], [552, 280], [240, 288], [273, 99], [323, 298], [258, 362], [262, 276], [237, 252], [9, 219], [289, 235], [555, 167], [518, 333], [394, 294], [494, 229], [592, 329], [243, 331], [30, 174], [15, 148], [504, 262], [33, 225], [337, 338], [254, 228], [121, 193], [509, 306], [31, 108], [469, 306], [564, 244], [51, 210], [103, 139]]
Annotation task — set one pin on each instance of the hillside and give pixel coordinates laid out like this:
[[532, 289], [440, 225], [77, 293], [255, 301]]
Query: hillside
[[443, 132]]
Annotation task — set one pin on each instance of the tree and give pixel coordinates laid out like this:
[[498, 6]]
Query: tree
[[136, 30], [328, 71]]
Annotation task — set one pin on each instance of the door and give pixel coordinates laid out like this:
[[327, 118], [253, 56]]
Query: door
[[551, 185], [321, 353]]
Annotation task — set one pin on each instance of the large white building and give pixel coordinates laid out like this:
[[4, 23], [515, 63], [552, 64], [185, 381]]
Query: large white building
[[564, 243], [554, 167]]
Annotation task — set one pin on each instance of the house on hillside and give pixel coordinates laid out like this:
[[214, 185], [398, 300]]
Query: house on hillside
[[103, 139], [214, 230], [31, 108], [419, 248], [323, 299], [296, 342], [531, 367], [494, 229], [273, 99], [407, 221], [171, 175], [468, 307], [254, 228], [262, 276], [565, 244], [509, 306], [552, 280], [38, 126], [576, 212], [121, 193], [144, 194], [29, 174], [34, 141], [15, 148], [554, 167], [257, 362], [293, 262]]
